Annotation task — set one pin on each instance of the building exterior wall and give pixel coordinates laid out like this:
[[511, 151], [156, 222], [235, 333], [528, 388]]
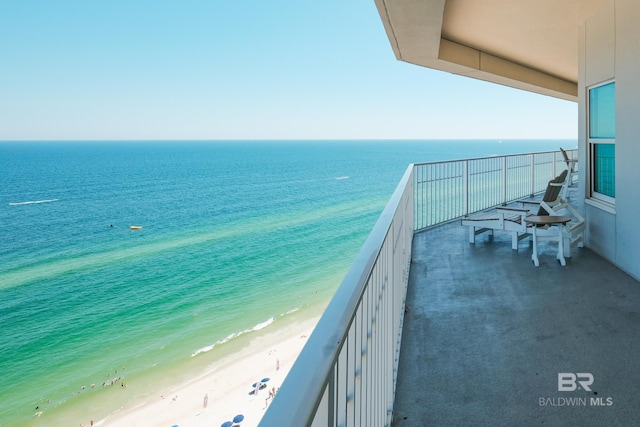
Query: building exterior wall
[[610, 49], [627, 65]]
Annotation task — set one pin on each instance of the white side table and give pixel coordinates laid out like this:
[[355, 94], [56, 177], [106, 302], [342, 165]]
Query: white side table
[[554, 223]]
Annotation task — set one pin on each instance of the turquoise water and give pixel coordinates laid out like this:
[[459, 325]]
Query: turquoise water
[[236, 238]]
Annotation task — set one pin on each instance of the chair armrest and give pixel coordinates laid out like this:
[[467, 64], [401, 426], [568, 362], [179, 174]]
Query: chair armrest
[[530, 202], [512, 210], [513, 215]]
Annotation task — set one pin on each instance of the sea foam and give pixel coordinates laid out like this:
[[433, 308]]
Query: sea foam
[[32, 202], [229, 337]]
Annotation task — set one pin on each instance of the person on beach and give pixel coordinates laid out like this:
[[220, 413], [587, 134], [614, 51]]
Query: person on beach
[[205, 401], [266, 400], [272, 394]]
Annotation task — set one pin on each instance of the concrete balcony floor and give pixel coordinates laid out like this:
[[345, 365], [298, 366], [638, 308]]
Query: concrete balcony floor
[[486, 334]]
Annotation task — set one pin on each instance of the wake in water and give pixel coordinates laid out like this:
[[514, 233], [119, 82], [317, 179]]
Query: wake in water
[[33, 202], [257, 327]]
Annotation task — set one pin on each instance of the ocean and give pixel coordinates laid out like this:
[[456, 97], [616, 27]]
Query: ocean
[[236, 238]]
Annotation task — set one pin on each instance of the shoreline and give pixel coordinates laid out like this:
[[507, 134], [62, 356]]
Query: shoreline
[[228, 368], [225, 389]]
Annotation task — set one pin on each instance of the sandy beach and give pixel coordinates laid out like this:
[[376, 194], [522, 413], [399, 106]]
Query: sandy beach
[[226, 389]]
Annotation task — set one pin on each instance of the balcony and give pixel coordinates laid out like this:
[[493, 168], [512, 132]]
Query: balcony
[[486, 334], [428, 329]]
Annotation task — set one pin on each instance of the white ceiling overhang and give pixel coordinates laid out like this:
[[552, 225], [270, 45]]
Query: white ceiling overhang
[[526, 44]]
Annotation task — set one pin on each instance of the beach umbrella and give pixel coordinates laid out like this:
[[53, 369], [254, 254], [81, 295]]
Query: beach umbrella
[[226, 424], [262, 381], [238, 418]]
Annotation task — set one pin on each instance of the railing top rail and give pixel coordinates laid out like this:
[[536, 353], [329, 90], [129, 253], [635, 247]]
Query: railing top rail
[[304, 386], [488, 157]]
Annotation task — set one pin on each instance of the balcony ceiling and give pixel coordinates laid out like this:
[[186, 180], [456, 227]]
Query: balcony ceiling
[[528, 44]]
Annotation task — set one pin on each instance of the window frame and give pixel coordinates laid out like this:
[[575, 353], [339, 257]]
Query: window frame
[[592, 142]]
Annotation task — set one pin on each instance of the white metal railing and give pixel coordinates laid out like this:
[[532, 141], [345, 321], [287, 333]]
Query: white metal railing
[[346, 373], [449, 190]]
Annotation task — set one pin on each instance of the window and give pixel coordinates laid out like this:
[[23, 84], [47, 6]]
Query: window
[[602, 138]]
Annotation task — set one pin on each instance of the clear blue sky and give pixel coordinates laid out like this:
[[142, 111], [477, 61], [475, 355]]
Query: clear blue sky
[[239, 69]]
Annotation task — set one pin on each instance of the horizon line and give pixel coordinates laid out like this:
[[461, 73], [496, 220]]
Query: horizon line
[[284, 139]]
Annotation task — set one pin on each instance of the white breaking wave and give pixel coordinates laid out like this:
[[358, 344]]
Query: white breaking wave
[[263, 324], [257, 327], [342, 177], [32, 202]]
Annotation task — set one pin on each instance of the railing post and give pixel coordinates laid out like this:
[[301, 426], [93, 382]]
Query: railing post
[[465, 184], [504, 181], [532, 176]]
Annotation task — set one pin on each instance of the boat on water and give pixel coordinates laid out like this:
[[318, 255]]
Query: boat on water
[[136, 227]]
